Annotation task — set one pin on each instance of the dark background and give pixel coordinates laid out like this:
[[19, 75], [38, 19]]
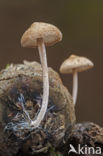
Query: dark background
[[81, 22]]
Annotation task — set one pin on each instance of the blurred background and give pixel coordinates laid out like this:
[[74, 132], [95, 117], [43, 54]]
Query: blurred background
[[81, 23]]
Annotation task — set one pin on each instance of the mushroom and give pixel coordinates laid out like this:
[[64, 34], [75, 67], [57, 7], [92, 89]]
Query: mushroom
[[40, 35], [75, 64]]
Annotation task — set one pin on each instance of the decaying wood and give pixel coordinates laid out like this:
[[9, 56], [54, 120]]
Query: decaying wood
[[21, 86]]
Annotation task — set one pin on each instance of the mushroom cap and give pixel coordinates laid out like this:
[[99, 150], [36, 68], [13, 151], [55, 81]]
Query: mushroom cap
[[38, 30], [76, 63]]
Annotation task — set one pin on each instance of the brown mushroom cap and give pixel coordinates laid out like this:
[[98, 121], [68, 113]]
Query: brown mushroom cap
[[76, 63], [49, 33]]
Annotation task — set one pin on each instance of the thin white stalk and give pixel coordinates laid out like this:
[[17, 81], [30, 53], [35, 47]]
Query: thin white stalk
[[75, 87], [43, 59]]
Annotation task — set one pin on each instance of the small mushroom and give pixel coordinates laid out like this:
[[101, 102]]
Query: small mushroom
[[38, 35], [75, 64]]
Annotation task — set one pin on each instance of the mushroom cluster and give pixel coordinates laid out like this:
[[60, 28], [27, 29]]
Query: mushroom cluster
[[43, 34], [37, 111]]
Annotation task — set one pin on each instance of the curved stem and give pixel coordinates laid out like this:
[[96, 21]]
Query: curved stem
[[43, 59], [75, 87]]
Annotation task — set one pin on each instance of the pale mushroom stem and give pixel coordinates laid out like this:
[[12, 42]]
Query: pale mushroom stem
[[43, 59], [75, 86]]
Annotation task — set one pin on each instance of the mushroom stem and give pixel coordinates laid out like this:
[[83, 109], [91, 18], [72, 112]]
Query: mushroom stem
[[75, 86], [43, 59]]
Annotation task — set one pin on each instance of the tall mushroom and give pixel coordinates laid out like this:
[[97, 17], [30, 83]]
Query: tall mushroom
[[75, 64], [40, 35]]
